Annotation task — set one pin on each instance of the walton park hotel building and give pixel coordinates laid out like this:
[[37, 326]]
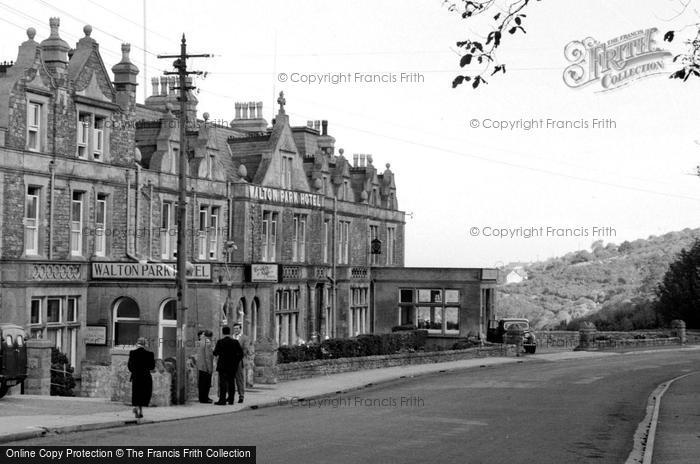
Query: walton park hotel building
[[280, 222]]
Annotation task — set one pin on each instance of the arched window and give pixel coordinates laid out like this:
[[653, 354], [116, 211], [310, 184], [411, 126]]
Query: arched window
[[126, 322], [167, 330], [253, 319], [241, 312]]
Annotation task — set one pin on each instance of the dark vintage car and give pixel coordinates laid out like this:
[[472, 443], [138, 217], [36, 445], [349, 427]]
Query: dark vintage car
[[13, 357], [497, 330]]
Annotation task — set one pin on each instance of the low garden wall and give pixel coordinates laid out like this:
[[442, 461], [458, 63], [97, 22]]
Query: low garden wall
[[308, 369]]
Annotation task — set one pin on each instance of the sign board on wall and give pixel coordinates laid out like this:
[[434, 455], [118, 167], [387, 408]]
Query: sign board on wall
[[95, 335], [489, 274], [264, 273], [147, 271]]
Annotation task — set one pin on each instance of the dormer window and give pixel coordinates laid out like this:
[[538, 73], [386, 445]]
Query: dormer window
[[210, 167], [98, 142], [345, 193], [83, 135], [286, 172], [37, 107], [174, 160], [91, 137], [34, 126]]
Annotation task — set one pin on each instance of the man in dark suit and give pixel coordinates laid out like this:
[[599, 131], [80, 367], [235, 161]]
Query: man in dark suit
[[229, 355]]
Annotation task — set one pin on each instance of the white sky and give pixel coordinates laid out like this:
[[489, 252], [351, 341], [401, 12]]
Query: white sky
[[451, 177]]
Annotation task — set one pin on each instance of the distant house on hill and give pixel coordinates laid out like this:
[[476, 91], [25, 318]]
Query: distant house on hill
[[516, 276]]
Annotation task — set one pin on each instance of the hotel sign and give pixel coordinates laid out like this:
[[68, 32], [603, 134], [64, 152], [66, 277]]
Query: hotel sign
[[286, 197], [264, 273], [147, 271]]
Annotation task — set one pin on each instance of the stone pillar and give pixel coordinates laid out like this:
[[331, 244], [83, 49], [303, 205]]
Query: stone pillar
[[38, 380], [514, 336], [120, 375], [587, 334], [678, 330], [266, 361]]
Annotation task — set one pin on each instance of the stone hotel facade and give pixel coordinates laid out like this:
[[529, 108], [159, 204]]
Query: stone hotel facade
[[280, 223]]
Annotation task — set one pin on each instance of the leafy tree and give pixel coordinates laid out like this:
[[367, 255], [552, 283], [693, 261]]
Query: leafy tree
[[479, 56], [679, 292]]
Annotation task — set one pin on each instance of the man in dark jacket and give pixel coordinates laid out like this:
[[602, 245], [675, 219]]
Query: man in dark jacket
[[229, 355]]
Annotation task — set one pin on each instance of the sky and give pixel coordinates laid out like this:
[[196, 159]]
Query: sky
[[474, 196]]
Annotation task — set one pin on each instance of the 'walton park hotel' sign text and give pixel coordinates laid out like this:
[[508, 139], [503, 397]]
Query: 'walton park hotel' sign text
[[147, 271]]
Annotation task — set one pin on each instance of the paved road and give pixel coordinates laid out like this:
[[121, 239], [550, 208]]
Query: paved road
[[535, 412]]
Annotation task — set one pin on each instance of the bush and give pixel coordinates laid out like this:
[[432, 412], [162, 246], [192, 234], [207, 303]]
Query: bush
[[403, 328], [62, 381], [363, 345], [464, 344]]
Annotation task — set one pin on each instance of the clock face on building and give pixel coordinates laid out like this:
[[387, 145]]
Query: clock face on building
[[376, 247]]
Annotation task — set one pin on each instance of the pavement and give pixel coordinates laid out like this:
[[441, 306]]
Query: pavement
[[28, 416]]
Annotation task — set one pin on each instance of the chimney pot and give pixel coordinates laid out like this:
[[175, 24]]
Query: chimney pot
[[259, 106], [251, 110], [310, 124], [317, 125], [154, 84], [238, 110], [163, 85], [324, 126], [362, 161], [354, 159]]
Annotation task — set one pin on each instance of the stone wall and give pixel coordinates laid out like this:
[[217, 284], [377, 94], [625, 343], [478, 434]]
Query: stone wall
[[307, 369], [95, 380], [557, 338]]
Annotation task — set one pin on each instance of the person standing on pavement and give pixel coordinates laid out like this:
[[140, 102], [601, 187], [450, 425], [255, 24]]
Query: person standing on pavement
[[205, 365], [229, 355], [141, 363], [245, 343]]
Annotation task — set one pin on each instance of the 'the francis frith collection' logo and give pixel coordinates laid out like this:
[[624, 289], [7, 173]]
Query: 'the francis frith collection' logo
[[614, 63]]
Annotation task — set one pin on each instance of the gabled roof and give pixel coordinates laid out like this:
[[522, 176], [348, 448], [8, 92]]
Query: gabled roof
[[86, 48]]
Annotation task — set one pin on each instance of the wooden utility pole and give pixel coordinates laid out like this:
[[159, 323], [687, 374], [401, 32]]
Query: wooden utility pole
[[181, 280]]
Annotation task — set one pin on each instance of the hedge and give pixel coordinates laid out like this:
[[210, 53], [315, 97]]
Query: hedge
[[362, 345]]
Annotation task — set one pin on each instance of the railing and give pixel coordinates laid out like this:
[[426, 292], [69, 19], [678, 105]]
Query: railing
[[359, 273], [291, 272]]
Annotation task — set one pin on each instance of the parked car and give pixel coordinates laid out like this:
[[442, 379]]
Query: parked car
[[13, 356], [498, 328]]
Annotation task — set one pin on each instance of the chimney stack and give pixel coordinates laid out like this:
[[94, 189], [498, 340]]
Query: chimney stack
[[324, 127], [125, 73], [54, 49]]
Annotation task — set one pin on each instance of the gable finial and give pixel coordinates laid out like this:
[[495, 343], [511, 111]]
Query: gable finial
[[282, 101]]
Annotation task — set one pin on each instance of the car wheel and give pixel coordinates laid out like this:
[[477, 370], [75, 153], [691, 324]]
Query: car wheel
[[3, 389]]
